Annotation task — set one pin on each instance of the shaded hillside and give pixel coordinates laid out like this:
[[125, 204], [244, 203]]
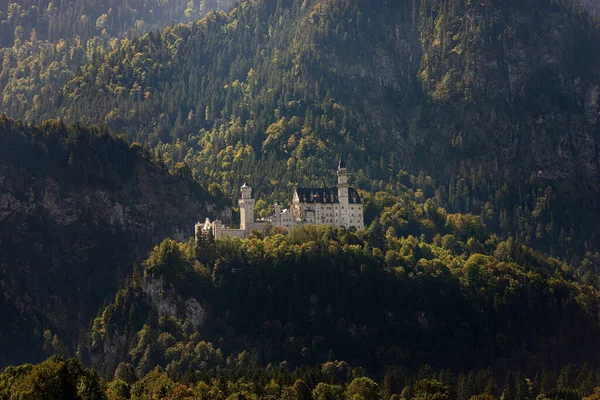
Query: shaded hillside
[[329, 313], [77, 207], [56, 20], [484, 97]]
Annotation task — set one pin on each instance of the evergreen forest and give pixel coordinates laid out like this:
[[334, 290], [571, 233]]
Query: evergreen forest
[[471, 131]]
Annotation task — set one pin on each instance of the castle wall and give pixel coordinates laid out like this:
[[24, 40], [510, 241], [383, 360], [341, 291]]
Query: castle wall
[[355, 216], [287, 220], [256, 225], [336, 214], [233, 233]]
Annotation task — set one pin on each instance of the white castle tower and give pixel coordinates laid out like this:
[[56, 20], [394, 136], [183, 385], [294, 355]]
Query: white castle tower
[[277, 215], [246, 208], [342, 174]]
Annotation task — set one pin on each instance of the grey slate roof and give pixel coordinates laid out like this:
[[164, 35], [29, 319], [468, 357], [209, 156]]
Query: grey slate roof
[[326, 195]]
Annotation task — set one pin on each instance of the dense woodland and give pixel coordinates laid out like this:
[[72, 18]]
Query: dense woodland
[[58, 378], [84, 19], [462, 301], [470, 129], [274, 91], [461, 315], [44, 43]]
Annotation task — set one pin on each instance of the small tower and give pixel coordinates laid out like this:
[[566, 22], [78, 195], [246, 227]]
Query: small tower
[[199, 232], [277, 219], [217, 229], [343, 188], [342, 174], [246, 208]]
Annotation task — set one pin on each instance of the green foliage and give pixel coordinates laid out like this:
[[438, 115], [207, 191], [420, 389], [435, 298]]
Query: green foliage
[[295, 297], [57, 378], [324, 391], [53, 21], [362, 389], [54, 379], [430, 389], [487, 257], [273, 91]]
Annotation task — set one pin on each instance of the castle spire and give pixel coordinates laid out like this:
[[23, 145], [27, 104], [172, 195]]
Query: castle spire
[[342, 174]]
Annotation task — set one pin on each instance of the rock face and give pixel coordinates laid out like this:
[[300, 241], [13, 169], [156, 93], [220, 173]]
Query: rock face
[[77, 209], [167, 302]]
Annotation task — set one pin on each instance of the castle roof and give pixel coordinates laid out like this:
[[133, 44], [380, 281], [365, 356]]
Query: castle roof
[[353, 196], [326, 195]]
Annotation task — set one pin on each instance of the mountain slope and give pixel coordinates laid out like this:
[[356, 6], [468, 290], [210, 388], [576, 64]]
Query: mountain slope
[[454, 303], [56, 20], [439, 81], [43, 43], [495, 103], [77, 207]]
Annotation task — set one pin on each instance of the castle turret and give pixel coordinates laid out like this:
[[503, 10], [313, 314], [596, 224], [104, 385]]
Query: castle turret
[[198, 231], [246, 208], [277, 218], [343, 189], [342, 174], [217, 229]]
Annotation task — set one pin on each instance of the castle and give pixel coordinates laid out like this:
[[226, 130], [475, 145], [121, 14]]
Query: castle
[[335, 206]]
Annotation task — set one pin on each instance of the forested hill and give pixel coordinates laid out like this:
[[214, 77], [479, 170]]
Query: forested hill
[[439, 82], [67, 19], [42, 43], [420, 290], [495, 101], [78, 206], [461, 301]]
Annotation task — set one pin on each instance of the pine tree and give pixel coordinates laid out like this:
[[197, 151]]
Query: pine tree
[[509, 392]]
